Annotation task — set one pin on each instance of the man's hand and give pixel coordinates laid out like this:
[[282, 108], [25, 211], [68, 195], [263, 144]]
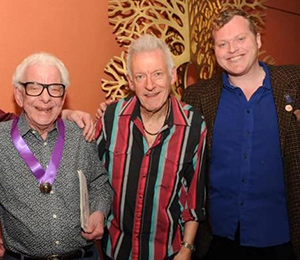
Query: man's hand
[[297, 114], [102, 107], [95, 228], [83, 120], [183, 254], [190, 230], [2, 249]]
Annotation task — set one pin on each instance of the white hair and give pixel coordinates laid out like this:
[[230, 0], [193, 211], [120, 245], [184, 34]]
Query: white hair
[[41, 58]]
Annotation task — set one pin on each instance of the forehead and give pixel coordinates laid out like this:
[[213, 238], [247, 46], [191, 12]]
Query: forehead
[[235, 26], [41, 72], [148, 60]]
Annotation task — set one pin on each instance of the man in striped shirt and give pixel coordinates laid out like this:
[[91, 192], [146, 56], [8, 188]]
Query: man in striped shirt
[[153, 147]]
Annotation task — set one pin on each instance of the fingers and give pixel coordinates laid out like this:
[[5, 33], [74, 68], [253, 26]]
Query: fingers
[[297, 114], [2, 249], [95, 235], [95, 228], [102, 108], [89, 130]]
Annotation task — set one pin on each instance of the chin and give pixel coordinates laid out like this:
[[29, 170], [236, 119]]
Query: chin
[[44, 121]]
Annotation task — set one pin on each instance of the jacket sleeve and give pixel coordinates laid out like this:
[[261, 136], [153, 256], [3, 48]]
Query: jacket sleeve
[[6, 116]]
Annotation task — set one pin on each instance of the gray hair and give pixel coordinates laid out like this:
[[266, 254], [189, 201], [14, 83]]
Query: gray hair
[[148, 42], [41, 58]]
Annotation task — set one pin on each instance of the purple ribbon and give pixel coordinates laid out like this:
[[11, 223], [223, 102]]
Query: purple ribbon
[[37, 169]]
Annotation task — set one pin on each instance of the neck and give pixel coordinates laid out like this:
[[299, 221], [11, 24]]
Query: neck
[[153, 122], [255, 76], [249, 82], [43, 131], [153, 116]]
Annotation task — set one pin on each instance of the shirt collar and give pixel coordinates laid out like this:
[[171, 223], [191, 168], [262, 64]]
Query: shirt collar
[[24, 127], [177, 114]]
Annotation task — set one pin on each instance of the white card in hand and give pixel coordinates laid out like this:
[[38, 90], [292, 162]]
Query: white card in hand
[[84, 201]]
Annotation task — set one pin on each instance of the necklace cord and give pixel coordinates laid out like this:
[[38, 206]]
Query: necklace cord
[[149, 133], [156, 133]]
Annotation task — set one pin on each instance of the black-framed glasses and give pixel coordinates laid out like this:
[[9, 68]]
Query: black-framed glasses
[[35, 89]]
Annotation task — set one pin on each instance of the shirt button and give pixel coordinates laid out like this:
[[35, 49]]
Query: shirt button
[[54, 216], [203, 211], [57, 242], [45, 143], [51, 192]]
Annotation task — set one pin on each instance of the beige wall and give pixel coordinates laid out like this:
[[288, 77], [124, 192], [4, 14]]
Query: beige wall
[[78, 32]]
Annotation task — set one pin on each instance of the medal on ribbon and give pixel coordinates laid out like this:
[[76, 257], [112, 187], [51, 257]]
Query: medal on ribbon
[[45, 187], [45, 177]]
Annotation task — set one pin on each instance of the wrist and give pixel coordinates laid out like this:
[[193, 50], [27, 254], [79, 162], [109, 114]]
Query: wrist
[[188, 246]]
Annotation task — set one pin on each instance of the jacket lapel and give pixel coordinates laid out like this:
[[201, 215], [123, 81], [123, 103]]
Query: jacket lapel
[[210, 100], [280, 88]]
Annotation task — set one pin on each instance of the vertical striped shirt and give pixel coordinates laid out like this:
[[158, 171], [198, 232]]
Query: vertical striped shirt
[[156, 189]]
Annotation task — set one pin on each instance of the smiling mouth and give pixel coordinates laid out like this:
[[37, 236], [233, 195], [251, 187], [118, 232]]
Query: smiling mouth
[[43, 109], [151, 94], [236, 58]]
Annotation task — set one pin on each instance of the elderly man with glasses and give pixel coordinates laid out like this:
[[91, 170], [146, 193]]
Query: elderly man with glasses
[[41, 157]]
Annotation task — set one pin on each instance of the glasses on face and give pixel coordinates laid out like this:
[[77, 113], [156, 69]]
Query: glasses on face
[[35, 89]]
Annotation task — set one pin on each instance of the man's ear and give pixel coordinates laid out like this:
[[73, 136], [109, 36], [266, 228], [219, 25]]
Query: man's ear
[[258, 40], [130, 83], [174, 75], [64, 98], [19, 96]]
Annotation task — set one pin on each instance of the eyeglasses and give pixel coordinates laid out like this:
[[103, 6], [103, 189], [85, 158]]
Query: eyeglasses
[[35, 89]]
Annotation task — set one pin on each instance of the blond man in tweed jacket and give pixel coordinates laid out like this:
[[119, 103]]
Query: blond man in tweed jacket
[[268, 94]]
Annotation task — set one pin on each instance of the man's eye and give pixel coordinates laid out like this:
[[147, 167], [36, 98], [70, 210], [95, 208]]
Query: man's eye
[[33, 87], [139, 77], [222, 44]]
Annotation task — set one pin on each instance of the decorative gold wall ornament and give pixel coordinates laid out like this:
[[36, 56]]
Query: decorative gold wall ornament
[[183, 24]]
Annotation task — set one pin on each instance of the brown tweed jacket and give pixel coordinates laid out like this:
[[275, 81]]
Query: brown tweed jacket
[[205, 95]]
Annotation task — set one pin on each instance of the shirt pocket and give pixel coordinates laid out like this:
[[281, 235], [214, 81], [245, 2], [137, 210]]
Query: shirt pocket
[[178, 164], [116, 161]]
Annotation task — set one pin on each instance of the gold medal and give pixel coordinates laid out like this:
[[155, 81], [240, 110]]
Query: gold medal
[[45, 187], [288, 108]]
